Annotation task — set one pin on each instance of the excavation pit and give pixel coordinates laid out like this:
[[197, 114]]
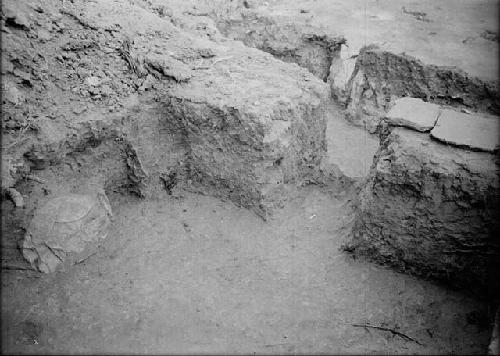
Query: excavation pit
[[255, 174]]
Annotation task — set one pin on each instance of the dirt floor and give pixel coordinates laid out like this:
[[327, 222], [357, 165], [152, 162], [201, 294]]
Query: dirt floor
[[195, 274], [350, 148], [188, 273]]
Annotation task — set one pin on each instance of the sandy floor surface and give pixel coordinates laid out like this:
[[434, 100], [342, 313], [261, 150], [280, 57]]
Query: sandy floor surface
[[189, 273]]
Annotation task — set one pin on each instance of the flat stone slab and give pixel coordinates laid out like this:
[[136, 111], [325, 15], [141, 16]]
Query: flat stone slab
[[414, 113], [473, 131]]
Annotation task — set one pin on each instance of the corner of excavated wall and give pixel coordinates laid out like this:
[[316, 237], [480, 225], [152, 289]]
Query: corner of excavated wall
[[310, 47], [114, 155], [431, 210], [254, 156]]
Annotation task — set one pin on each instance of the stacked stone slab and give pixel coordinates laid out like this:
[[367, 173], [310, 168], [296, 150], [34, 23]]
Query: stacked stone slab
[[432, 208], [475, 132], [414, 113]]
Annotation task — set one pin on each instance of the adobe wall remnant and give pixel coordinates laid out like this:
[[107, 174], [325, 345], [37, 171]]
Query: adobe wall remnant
[[253, 126], [380, 77], [431, 209]]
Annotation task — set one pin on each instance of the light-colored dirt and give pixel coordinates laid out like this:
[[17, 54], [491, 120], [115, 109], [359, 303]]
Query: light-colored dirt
[[195, 274], [455, 33], [350, 148]]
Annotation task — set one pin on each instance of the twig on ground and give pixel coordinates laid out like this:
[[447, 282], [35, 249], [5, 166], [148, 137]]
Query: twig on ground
[[16, 142], [475, 252], [281, 344], [78, 18], [394, 332], [84, 259], [193, 13], [53, 250], [214, 63], [220, 59], [35, 178], [14, 267], [21, 137]]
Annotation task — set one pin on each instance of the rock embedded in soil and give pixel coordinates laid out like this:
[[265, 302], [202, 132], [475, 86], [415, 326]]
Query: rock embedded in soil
[[15, 14], [432, 210], [93, 81], [474, 131], [65, 227], [11, 94], [341, 69], [413, 113]]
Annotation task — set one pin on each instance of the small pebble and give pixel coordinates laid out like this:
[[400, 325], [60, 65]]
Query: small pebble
[[93, 81]]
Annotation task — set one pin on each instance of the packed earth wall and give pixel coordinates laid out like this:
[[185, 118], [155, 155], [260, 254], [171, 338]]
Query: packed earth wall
[[431, 210], [379, 77]]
